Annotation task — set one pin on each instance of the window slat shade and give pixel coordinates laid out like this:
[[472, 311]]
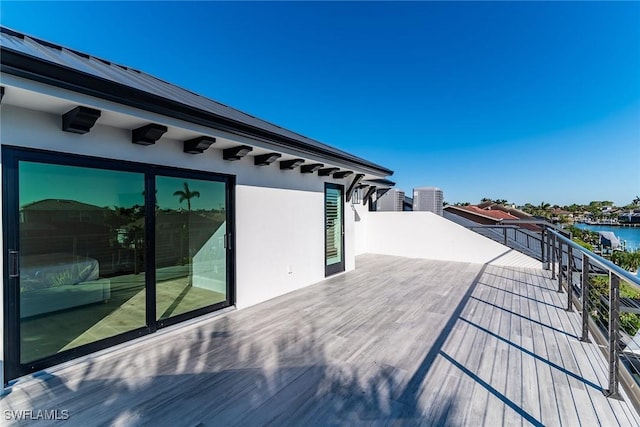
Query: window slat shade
[[333, 211]]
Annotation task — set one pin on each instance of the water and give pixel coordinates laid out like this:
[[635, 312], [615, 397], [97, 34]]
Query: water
[[630, 234]]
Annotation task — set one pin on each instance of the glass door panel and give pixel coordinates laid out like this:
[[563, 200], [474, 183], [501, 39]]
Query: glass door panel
[[334, 229], [81, 234], [191, 256]]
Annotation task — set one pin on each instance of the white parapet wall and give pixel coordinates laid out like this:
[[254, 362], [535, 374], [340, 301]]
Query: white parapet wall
[[429, 236]]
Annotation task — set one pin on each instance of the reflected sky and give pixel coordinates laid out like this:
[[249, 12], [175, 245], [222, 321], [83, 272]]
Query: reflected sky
[[107, 188], [98, 187]]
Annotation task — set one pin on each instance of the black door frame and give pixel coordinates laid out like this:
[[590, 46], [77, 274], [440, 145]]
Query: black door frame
[[11, 242], [338, 267]]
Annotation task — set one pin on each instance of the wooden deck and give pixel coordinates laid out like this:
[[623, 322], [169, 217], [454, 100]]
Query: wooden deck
[[397, 341]]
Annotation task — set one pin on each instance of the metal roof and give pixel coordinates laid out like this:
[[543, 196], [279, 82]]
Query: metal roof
[[52, 64]]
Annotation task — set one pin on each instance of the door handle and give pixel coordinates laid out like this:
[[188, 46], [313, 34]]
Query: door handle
[[14, 264]]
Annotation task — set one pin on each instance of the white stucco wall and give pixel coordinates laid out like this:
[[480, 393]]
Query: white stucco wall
[[279, 234], [430, 236], [277, 249], [360, 214], [279, 214]]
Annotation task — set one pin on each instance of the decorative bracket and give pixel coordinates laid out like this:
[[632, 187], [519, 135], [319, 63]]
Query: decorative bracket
[[368, 194], [327, 171], [266, 159], [79, 120], [236, 153], [291, 164], [352, 186], [148, 135], [342, 174], [310, 168], [198, 145]]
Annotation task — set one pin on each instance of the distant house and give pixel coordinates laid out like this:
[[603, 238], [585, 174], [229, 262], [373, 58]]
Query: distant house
[[481, 216], [560, 215], [632, 217], [490, 213], [131, 204]]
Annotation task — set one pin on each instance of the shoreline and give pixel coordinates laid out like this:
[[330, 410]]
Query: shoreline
[[608, 225]]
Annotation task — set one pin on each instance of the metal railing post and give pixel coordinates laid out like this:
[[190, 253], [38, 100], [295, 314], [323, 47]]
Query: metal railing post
[[569, 278], [585, 298], [543, 235], [505, 236], [614, 346], [559, 265], [552, 253]]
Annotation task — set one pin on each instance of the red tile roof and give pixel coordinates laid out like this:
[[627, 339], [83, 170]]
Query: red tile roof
[[493, 213]]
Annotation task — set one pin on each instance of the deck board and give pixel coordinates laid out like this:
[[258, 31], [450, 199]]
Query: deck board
[[397, 341]]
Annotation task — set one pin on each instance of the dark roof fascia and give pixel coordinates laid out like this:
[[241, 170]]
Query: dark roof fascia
[[381, 181], [29, 67]]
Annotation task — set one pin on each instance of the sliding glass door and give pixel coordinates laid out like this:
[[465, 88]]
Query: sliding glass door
[[81, 258], [99, 252], [191, 256], [334, 228]]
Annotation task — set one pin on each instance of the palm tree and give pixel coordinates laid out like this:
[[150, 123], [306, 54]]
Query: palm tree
[[628, 260], [636, 201], [187, 195], [543, 209]]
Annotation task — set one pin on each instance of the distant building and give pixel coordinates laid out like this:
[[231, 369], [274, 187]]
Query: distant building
[[408, 204], [428, 199], [392, 200], [630, 218]]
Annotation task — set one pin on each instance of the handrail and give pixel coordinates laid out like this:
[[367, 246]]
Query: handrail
[[521, 238], [544, 224], [495, 226], [605, 263], [612, 341], [556, 246]]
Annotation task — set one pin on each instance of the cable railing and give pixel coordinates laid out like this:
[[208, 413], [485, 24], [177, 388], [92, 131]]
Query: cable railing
[[526, 241], [606, 296], [602, 293]]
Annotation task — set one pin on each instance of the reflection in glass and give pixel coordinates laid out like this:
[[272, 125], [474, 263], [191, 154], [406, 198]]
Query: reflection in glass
[[190, 251], [81, 256]]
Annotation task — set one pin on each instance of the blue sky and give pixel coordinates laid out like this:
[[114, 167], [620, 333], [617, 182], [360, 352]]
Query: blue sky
[[527, 102]]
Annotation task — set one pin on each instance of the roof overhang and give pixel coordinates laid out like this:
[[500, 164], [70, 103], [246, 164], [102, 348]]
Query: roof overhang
[[379, 182], [22, 65]]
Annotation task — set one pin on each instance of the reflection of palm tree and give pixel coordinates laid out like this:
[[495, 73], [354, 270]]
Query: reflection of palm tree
[[187, 195]]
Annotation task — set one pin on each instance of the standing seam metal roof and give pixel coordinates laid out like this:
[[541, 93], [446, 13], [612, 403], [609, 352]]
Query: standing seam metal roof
[[11, 40]]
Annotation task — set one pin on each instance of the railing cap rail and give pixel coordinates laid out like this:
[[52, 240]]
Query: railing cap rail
[[544, 224], [605, 263]]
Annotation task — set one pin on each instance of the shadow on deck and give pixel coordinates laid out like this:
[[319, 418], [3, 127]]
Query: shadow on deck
[[397, 340]]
